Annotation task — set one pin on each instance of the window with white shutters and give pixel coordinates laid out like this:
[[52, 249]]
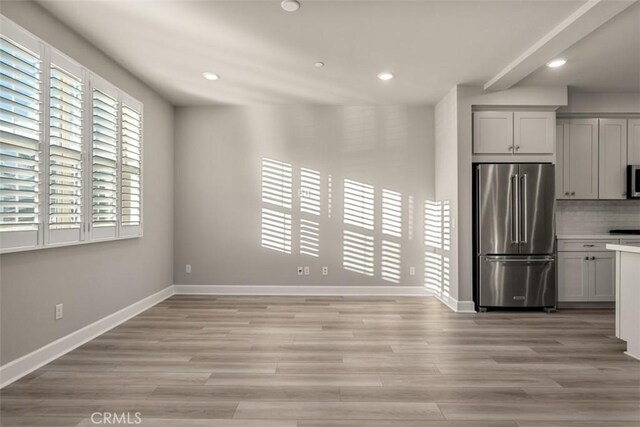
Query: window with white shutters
[[66, 145], [104, 164], [131, 158], [70, 149], [20, 136]]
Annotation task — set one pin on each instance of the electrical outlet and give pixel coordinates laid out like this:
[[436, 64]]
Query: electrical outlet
[[300, 271], [306, 270], [412, 271], [325, 271], [187, 268], [59, 312]]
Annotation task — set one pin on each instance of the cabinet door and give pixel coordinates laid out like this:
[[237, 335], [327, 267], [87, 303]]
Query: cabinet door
[[581, 159], [533, 132], [602, 276], [612, 159], [493, 132], [633, 149], [573, 276], [561, 192]]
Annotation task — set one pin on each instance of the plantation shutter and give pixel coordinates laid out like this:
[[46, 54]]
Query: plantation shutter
[[66, 151], [131, 168], [20, 138], [71, 155], [104, 161]]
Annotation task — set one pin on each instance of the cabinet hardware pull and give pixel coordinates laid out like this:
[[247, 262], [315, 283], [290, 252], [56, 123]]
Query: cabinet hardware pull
[[593, 258], [573, 193], [586, 258], [517, 147], [510, 148], [588, 246], [566, 193]]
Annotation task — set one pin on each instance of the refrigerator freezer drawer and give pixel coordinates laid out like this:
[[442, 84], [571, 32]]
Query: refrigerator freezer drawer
[[517, 281]]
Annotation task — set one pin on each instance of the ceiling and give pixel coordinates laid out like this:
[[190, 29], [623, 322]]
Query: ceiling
[[265, 55], [607, 60]]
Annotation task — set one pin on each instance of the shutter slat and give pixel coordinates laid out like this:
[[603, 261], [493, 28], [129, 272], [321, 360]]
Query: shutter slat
[[7, 94], [65, 149], [104, 158]]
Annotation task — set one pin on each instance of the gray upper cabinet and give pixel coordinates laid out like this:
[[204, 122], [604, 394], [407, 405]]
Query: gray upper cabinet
[[612, 159], [633, 146], [508, 132], [592, 156], [533, 132], [579, 159], [493, 132]]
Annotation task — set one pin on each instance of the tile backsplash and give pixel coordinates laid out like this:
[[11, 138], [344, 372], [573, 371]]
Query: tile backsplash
[[596, 216]]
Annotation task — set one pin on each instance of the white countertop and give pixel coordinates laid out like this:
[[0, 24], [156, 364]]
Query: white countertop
[[598, 236], [624, 248]]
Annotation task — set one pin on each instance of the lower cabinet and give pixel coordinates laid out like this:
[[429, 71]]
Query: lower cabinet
[[586, 276]]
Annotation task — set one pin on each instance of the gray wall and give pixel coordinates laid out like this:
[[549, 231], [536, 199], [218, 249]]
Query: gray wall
[[94, 280], [218, 204]]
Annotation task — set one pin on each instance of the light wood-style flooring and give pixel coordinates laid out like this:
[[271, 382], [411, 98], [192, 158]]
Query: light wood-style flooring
[[339, 361]]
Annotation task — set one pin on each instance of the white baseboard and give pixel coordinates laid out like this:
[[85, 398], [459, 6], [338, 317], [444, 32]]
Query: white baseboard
[[18, 368], [631, 355], [455, 305], [302, 290]]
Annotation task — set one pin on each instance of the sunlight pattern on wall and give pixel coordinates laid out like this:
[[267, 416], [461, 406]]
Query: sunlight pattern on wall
[[358, 253], [329, 196], [390, 265], [392, 228], [433, 272], [391, 213], [358, 204], [309, 191], [276, 183], [437, 238], [276, 230], [410, 225], [446, 281], [309, 237], [446, 225], [277, 193], [433, 224]]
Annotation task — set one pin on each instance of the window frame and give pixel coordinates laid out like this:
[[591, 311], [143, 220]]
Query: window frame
[[28, 239], [45, 237]]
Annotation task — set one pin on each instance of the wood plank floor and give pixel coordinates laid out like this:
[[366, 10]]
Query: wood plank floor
[[338, 361]]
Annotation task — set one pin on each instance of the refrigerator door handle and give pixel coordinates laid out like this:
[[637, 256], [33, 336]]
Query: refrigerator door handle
[[524, 209], [515, 211], [529, 260]]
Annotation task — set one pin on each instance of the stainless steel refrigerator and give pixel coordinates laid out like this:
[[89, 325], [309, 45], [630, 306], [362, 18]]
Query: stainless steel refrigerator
[[515, 235]]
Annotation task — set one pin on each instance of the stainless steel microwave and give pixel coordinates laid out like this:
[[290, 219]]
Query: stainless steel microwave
[[633, 181]]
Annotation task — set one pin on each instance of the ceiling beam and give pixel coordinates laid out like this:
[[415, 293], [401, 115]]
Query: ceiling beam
[[575, 27]]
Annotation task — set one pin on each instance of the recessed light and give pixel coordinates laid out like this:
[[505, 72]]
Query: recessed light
[[319, 64], [385, 76], [557, 63], [210, 76], [290, 5]]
